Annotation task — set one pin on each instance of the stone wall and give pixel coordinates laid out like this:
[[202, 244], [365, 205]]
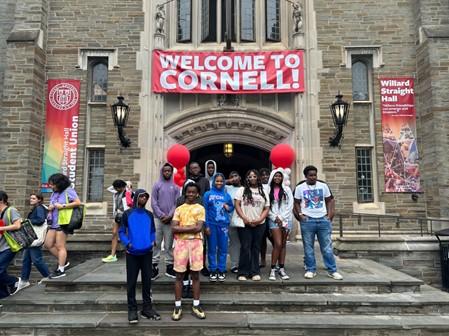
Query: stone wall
[[416, 256], [7, 8], [393, 27]]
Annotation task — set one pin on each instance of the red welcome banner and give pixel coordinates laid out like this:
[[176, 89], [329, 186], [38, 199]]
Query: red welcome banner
[[399, 135], [61, 130], [228, 72]]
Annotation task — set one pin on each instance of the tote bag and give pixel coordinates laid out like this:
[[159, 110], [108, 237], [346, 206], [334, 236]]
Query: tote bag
[[72, 219], [21, 238], [41, 233], [236, 221]]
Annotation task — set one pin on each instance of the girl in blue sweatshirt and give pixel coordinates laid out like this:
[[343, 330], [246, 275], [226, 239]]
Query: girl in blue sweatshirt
[[218, 204]]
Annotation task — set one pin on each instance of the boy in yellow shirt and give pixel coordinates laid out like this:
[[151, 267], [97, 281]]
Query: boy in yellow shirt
[[187, 224]]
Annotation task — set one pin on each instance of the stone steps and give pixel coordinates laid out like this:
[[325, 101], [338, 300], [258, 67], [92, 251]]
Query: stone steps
[[115, 323], [430, 301]]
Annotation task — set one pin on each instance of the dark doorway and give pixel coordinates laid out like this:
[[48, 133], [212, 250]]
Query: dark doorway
[[243, 159]]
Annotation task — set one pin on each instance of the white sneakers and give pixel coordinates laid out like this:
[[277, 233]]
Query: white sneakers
[[309, 275], [21, 285], [334, 275]]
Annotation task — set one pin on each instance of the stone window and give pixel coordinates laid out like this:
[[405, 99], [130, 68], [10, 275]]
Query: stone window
[[360, 79], [273, 20], [247, 21], [98, 79], [95, 173], [184, 21], [365, 193]]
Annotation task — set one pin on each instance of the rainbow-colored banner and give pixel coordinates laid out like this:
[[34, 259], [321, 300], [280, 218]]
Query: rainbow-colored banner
[[61, 132]]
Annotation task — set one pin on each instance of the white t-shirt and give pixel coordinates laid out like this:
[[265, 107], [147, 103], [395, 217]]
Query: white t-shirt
[[254, 209], [312, 198]]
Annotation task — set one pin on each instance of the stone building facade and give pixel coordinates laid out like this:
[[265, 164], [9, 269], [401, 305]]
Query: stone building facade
[[51, 39]]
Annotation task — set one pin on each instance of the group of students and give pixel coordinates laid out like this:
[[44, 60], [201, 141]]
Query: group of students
[[63, 197], [232, 216]]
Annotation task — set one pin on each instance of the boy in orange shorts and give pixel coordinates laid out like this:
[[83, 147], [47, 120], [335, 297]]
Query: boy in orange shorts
[[187, 224]]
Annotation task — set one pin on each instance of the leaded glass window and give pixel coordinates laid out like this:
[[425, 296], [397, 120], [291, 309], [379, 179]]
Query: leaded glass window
[[273, 20], [364, 175], [98, 79], [184, 21], [247, 21], [360, 87], [95, 182]]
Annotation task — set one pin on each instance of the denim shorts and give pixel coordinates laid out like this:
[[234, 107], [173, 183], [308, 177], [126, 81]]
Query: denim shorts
[[273, 225]]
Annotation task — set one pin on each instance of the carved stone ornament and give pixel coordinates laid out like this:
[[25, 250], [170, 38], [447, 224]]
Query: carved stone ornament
[[297, 17], [160, 19]]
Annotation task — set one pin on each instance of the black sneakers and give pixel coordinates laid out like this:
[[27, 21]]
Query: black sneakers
[[154, 272], [57, 274], [133, 318], [170, 272], [150, 314]]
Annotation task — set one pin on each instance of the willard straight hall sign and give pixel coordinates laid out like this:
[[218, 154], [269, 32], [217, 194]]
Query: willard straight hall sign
[[228, 72]]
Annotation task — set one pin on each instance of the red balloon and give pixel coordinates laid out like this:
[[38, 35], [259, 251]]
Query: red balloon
[[178, 179], [178, 155], [282, 155], [182, 172]]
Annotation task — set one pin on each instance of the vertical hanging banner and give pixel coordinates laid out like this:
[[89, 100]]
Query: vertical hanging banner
[[401, 158], [61, 130], [228, 72]]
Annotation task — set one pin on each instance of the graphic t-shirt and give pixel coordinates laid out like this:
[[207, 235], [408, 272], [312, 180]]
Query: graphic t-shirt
[[189, 215], [252, 209], [312, 198]]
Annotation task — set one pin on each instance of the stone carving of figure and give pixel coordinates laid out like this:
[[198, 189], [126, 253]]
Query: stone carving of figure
[[297, 17], [160, 19]]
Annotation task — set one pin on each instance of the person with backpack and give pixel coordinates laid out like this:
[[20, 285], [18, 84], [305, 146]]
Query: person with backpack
[[119, 206], [33, 254], [63, 197], [138, 234], [10, 220]]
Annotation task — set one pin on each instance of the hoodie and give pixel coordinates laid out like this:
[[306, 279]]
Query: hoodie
[[137, 231], [284, 211], [210, 177], [213, 202], [202, 182], [164, 195]]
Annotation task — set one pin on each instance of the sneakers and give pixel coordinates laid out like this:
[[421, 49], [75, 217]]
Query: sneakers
[[213, 276], [234, 270], [242, 278], [21, 284], [170, 272], [309, 275], [335, 276], [57, 274], [110, 258], [150, 314], [283, 274], [205, 272], [198, 312], [13, 288], [256, 277], [221, 276], [133, 318], [41, 281], [177, 314], [272, 276], [154, 272]]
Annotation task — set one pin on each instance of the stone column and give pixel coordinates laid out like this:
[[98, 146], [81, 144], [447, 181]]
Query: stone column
[[152, 105], [23, 114], [307, 107]]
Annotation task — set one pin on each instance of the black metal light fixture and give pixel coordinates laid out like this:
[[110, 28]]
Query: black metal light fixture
[[340, 112], [120, 113]]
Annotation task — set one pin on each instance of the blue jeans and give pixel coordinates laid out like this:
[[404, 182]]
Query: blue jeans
[[6, 280], [34, 255], [217, 249], [322, 228]]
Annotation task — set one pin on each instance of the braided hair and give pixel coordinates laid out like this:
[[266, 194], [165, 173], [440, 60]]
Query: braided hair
[[247, 193], [282, 194]]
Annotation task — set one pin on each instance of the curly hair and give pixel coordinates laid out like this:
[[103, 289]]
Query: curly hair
[[60, 181], [247, 193]]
